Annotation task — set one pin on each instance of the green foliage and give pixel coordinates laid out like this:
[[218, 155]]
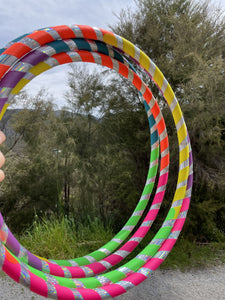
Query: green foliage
[[31, 181], [187, 255], [177, 35], [64, 238], [186, 40], [90, 159]]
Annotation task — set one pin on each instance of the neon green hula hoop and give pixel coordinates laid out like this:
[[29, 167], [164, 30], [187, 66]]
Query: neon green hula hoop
[[80, 278]]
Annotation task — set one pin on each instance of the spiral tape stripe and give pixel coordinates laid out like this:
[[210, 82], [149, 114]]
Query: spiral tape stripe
[[28, 56]]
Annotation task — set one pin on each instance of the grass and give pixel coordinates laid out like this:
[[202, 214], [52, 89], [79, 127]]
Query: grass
[[2, 274], [64, 239], [187, 255]]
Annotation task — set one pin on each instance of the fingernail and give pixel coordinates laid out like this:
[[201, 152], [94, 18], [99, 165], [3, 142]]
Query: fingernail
[[2, 159], [2, 175], [2, 137]]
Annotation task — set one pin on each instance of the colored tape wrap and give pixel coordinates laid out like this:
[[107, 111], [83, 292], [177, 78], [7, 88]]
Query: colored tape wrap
[[80, 278]]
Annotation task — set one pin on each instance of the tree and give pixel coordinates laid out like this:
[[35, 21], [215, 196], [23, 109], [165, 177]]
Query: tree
[[30, 184], [110, 161], [176, 35], [186, 40]]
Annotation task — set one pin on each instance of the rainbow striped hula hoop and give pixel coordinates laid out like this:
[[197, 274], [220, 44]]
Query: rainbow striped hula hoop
[[80, 278]]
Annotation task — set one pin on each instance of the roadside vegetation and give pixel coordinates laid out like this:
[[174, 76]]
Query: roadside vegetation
[[74, 175], [65, 239]]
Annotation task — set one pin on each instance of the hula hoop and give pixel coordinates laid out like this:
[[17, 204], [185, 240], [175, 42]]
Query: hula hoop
[[137, 212], [99, 268], [115, 282], [162, 181]]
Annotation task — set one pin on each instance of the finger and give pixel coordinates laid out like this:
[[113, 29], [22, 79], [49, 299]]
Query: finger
[[2, 175], [2, 137], [2, 159]]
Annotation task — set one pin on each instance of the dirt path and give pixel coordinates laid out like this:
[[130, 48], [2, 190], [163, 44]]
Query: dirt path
[[207, 284]]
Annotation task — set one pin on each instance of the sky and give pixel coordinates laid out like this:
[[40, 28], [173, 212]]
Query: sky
[[18, 17]]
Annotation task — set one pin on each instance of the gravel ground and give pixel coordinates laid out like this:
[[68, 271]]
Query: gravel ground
[[207, 284]]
